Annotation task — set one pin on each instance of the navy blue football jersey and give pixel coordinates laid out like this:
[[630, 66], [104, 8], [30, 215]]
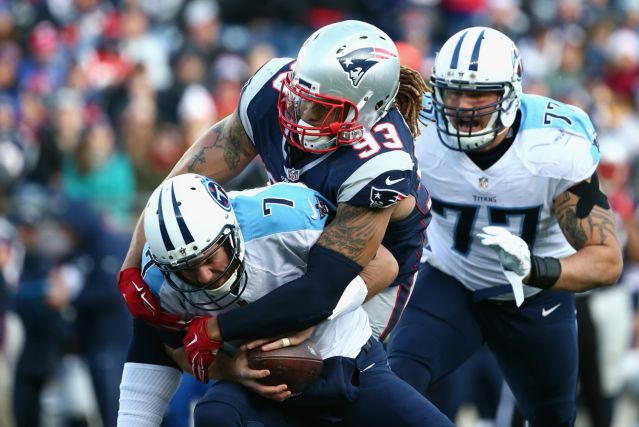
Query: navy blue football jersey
[[377, 172]]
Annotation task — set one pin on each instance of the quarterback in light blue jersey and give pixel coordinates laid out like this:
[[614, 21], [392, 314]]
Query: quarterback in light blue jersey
[[209, 252], [519, 224], [340, 118]]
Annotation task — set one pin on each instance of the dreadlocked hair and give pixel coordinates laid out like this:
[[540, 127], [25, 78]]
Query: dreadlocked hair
[[412, 88]]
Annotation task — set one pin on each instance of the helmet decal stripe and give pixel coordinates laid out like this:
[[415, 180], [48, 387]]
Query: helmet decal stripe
[[163, 231], [455, 59], [358, 62], [474, 60], [186, 234], [383, 53]]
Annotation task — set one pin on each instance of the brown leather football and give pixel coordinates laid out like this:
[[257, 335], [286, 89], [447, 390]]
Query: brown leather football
[[296, 366]]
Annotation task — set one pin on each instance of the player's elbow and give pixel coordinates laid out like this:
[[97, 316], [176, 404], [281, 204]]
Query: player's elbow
[[391, 266], [611, 271], [380, 272]]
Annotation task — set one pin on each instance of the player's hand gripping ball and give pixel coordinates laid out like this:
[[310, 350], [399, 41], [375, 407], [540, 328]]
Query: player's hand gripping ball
[[296, 366]]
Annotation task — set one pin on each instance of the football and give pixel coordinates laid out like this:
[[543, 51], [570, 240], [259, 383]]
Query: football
[[296, 366]]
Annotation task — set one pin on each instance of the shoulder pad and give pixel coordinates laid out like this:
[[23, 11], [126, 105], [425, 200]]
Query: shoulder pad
[[428, 110], [558, 153], [151, 274], [395, 166], [268, 74], [264, 74], [428, 141], [279, 208], [540, 112], [557, 140]]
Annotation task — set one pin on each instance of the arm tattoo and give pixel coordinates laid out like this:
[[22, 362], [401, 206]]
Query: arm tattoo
[[212, 142], [595, 229], [227, 135], [350, 232]]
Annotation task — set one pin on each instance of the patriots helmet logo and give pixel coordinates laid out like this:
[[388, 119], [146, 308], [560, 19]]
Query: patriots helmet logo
[[359, 61]]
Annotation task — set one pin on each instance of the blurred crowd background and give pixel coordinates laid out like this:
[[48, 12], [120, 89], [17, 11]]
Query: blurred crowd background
[[99, 99]]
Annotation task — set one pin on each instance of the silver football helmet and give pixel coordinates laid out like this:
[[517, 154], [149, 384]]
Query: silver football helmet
[[345, 79], [476, 59], [187, 219]]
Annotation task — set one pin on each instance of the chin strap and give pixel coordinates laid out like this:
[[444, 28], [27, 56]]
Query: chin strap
[[350, 135]]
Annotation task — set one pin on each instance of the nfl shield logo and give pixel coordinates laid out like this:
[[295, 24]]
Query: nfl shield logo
[[483, 183], [292, 174]]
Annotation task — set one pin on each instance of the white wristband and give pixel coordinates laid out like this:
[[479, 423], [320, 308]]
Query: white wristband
[[353, 297]]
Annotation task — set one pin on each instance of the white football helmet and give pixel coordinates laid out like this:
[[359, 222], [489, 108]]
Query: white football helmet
[[476, 59], [346, 78], [186, 220]]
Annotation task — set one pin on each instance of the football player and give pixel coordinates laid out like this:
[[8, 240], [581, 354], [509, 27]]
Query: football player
[[520, 224], [340, 118], [209, 252]]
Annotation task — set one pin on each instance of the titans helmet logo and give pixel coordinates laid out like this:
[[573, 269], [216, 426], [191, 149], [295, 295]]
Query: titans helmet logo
[[322, 208], [519, 68], [358, 62], [218, 194]]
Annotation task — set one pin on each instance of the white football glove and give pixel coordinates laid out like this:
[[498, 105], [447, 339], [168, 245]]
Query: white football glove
[[513, 254]]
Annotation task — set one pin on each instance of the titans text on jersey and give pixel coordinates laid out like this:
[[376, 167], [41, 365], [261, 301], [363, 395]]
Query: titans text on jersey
[[554, 149]]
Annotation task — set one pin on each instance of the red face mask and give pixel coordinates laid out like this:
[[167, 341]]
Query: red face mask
[[316, 123]]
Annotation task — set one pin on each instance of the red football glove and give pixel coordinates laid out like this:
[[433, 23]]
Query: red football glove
[[142, 304], [200, 348]]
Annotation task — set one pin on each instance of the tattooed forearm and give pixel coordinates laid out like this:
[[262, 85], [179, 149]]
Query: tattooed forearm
[[235, 145], [209, 142], [227, 135], [601, 222], [596, 228], [352, 230]]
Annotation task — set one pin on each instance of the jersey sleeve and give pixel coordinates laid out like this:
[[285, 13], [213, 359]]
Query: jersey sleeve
[[151, 274], [280, 208], [169, 299], [381, 170], [428, 108], [581, 166], [380, 182], [560, 142]]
